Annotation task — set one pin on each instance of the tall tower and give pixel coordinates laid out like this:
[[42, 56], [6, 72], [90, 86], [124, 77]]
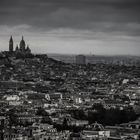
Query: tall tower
[[81, 59], [22, 45], [11, 44]]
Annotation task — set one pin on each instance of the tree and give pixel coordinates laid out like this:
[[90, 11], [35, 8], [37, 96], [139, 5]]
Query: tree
[[65, 123], [42, 112], [12, 117]]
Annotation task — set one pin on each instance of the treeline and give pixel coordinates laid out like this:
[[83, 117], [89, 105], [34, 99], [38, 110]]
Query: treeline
[[104, 116]]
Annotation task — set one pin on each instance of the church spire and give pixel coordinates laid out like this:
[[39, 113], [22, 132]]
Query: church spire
[[11, 39], [11, 44]]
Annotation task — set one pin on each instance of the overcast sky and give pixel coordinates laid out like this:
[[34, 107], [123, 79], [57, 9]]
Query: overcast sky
[[72, 26]]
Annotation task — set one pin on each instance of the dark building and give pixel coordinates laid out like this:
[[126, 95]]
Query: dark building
[[80, 59], [11, 44], [22, 45], [22, 49]]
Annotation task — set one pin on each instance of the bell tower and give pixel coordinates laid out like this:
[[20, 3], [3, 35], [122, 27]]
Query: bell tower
[[11, 43]]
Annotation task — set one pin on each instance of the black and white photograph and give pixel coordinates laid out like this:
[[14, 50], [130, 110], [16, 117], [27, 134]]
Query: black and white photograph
[[69, 69]]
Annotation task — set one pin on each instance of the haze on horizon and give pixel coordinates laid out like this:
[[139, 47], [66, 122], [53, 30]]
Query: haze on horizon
[[108, 27]]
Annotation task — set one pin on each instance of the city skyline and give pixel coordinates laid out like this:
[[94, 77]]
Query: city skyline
[[110, 27]]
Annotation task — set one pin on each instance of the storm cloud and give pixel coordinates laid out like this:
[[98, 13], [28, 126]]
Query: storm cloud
[[96, 23]]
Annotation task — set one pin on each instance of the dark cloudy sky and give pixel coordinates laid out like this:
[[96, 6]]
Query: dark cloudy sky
[[72, 26]]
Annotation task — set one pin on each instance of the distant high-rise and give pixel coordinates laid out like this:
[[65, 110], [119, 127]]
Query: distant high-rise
[[80, 59], [11, 44]]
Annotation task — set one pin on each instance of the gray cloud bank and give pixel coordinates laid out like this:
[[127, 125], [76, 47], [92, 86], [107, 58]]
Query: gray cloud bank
[[97, 20]]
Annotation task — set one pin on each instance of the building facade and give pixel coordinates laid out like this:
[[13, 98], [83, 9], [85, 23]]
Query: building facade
[[21, 49], [81, 59]]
